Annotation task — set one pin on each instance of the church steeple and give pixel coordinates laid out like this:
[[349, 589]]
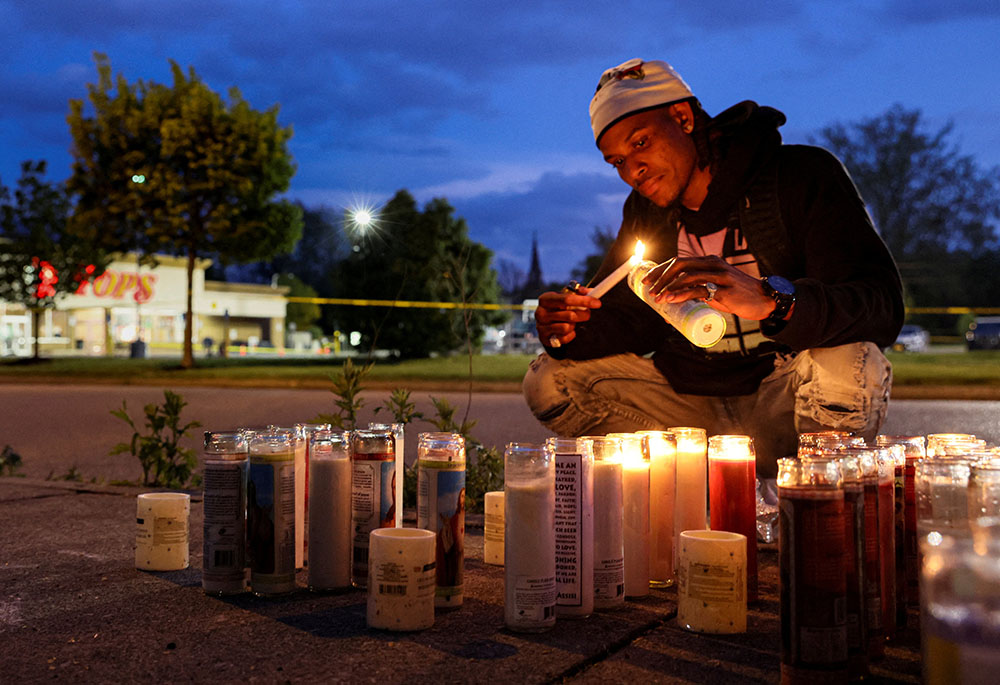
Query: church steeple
[[533, 285]]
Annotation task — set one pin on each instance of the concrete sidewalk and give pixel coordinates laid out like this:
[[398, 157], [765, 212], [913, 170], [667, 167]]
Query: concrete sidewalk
[[73, 607]]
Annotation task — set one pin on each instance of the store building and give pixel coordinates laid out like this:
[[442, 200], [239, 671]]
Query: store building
[[129, 302]]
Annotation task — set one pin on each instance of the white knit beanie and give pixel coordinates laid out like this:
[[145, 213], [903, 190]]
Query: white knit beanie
[[633, 87]]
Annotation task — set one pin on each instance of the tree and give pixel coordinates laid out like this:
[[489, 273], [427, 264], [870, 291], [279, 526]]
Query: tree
[[180, 170], [39, 259], [511, 278], [925, 198], [602, 238], [410, 254], [315, 257], [302, 314]]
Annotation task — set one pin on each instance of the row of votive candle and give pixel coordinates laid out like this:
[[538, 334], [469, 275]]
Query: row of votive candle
[[617, 507], [258, 487], [854, 581], [253, 485]]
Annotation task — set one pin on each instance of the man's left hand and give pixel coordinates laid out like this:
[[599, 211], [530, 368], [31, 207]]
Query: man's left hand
[[685, 278]]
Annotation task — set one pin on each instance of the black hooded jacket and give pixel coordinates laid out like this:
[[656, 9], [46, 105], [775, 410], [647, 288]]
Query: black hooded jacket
[[847, 285]]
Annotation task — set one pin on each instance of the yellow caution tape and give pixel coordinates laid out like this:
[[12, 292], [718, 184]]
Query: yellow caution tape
[[408, 303]]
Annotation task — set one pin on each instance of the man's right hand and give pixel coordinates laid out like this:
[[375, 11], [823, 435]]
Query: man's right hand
[[559, 313]]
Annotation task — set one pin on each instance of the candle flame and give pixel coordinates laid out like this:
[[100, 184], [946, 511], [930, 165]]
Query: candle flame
[[639, 250]]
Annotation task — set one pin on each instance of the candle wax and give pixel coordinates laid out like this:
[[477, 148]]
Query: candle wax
[[635, 499], [692, 488], [330, 524], [733, 507], [529, 554], [661, 516], [609, 554]]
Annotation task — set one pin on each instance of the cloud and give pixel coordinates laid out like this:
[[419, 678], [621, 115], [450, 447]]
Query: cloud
[[561, 209]]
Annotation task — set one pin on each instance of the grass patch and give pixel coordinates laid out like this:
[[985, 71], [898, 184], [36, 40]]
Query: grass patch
[[451, 370], [981, 367]]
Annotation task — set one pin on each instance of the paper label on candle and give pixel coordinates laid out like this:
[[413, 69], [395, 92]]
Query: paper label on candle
[[715, 582], [609, 579], [372, 503], [493, 527], [169, 530], [535, 598], [441, 510], [271, 520], [224, 535], [569, 528]]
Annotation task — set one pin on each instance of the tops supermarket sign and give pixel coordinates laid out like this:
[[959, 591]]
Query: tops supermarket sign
[[117, 285]]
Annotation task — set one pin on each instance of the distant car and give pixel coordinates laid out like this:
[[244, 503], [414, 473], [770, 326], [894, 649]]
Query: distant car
[[983, 333], [912, 338]]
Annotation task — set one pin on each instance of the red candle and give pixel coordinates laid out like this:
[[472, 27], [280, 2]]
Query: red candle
[[873, 557], [887, 539], [914, 450], [812, 576], [732, 501]]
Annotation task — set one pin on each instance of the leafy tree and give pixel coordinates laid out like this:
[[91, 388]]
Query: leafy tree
[[511, 278], [602, 238], [409, 254], [39, 259], [925, 197], [302, 314], [180, 170], [315, 257]]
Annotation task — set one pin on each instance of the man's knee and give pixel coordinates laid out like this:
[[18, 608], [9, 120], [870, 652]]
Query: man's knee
[[843, 388], [542, 393]]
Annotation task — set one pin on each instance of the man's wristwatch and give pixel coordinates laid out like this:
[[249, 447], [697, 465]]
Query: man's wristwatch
[[782, 291]]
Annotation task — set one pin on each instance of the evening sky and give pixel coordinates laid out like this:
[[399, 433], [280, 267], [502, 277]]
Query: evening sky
[[484, 102]]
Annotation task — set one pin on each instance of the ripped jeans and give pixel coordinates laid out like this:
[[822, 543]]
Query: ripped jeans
[[843, 388]]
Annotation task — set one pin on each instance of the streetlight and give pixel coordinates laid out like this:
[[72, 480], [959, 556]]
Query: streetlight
[[362, 218], [361, 221]]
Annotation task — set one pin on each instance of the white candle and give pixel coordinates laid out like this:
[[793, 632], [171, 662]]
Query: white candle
[[574, 526], [691, 504], [612, 279], [529, 538], [662, 448], [493, 529], [635, 501], [161, 539], [711, 582], [330, 512], [306, 432], [401, 579], [609, 552]]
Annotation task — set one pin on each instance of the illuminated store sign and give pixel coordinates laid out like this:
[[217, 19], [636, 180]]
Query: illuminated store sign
[[118, 284]]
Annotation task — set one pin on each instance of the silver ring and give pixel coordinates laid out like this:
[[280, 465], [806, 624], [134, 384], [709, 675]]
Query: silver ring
[[712, 288]]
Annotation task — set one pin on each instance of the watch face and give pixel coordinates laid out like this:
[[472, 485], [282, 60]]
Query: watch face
[[781, 285]]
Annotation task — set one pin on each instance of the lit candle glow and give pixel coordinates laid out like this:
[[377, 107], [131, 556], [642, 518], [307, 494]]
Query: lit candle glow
[[691, 503], [635, 500], [618, 274]]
